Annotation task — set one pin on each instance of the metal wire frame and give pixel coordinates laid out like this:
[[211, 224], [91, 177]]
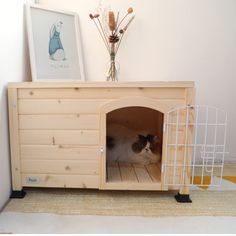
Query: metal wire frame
[[197, 151]]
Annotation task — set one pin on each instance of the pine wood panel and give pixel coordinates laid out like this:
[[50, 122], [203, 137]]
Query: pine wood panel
[[134, 186], [59, 152], [127, 172], [113, 172], [101, 84], [60, 167], [75, 121], [57, 137], [154, 172], [142, 174], [60, 181], [48, 132], [188, 138], [60, 106], [100, 93], [14, 139]]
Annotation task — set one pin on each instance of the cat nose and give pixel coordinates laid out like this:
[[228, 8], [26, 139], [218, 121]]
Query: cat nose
[[146, 149]]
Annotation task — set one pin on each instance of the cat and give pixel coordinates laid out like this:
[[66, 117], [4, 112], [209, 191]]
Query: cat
[[126, 145]]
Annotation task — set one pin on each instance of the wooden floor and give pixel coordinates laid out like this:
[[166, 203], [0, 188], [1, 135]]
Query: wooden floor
[[127, 172]]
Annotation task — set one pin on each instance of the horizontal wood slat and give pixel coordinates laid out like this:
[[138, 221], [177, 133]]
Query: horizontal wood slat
[[100, 93], [59, 152], [76, 121], [55, 137], [59, 106], [60, 181], [60, 167], [134, 186], [104, 84], [73, 106]]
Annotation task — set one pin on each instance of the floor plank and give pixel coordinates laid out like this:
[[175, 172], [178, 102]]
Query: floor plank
[[142, 174], [154, 172], [127, 173], [113, 172]]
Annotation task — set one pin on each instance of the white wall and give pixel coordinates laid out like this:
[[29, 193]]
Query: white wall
[[14, 67], [170, 40]]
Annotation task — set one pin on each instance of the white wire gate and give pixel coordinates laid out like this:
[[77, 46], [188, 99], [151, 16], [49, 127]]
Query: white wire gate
[[195, 146]]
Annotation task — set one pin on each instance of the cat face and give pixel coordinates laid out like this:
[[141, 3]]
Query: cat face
[[146, 144]]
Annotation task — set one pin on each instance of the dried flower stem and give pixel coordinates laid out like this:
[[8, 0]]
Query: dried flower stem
[[103, 38], [129, 22], [117, 19], [118, 45], [121, 23], [124, 29], [112, 73], [103, 31]]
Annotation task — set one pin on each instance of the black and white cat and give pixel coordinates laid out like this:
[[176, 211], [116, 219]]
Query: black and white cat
[[126, 145]]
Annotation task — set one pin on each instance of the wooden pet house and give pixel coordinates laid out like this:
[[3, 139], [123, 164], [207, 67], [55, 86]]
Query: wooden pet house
[[58, 135]]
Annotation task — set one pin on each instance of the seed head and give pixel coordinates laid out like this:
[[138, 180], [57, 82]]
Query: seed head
[[130, 10], [111, 20], [96, 16]]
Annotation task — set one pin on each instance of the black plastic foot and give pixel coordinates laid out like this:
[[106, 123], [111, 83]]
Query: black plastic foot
[[18, 194], [184, 198]]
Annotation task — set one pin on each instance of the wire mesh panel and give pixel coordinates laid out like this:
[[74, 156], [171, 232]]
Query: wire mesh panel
[[195, 146]]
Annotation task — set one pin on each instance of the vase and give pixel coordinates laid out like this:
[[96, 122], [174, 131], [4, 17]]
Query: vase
[[113, 67]]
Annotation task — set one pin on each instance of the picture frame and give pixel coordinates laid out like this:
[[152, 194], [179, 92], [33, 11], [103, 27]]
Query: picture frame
[[54, 44]]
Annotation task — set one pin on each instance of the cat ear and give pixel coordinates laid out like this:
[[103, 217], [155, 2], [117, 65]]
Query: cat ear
[[156, 139], [152, 138], [141, 137]]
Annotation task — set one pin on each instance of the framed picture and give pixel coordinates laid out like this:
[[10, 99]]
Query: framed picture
[[54, 44]]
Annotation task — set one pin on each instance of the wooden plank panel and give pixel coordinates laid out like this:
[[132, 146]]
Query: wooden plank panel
[[72, 106], [142, 174], [154, 172], [14, 139], [113, 173], [102, 84], [188, 138], [100, 93], [60, 106], [57, 137], [134, 186], [127, 173], [59, 167], [59, 152], [177, 178], [60, 181], [75, 121]]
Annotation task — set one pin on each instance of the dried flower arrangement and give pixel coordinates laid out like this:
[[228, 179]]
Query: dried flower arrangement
[[113, 36]]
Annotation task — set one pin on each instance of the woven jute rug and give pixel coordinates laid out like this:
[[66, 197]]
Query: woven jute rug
[[124, 203]]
